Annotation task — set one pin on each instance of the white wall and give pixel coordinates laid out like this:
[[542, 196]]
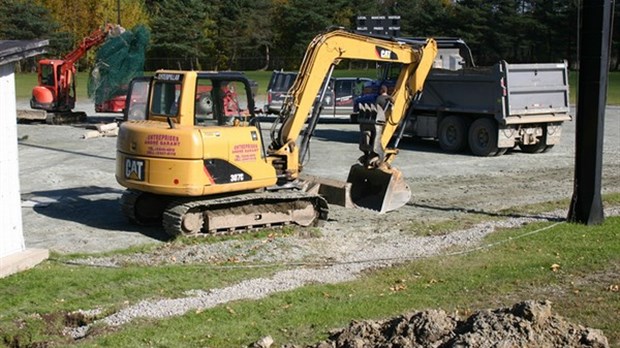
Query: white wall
[[11, 235]]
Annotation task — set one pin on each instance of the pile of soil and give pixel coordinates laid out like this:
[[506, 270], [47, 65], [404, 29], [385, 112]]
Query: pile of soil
[[525, 324]]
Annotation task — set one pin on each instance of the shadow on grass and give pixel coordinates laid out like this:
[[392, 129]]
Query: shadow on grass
[[93, 206]]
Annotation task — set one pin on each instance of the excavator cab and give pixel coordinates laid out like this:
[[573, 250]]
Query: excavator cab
[[220, 99], [56, 89]]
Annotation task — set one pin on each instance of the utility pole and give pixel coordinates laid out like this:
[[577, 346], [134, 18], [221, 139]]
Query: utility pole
[[586, 204]]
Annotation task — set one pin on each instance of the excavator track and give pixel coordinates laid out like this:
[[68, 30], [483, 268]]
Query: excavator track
[[243, 212], [142, 208], [65, 118]]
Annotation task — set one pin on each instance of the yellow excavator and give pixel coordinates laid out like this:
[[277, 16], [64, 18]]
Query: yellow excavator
[[191, 152]]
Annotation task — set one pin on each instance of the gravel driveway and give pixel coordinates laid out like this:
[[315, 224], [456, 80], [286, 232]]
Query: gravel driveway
[[70, 196]]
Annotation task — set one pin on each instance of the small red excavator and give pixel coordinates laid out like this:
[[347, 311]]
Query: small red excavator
[[55, 92]]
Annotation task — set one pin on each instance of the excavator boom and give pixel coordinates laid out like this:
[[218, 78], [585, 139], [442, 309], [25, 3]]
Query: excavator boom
[[375, 184]]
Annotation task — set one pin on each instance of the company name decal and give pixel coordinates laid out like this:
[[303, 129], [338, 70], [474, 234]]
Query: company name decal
[[245, 152], [162, 144]]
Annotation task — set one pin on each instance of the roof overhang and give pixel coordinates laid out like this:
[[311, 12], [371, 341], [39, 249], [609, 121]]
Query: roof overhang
[[16, 50]]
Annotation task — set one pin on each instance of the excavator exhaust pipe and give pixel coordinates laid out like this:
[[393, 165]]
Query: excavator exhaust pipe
[[381, 190]]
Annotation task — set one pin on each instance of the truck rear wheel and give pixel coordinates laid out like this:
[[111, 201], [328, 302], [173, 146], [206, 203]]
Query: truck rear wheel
[[452, 134], [483, 137]]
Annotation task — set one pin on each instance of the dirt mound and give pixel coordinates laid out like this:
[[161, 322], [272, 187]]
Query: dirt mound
[[526, 324]]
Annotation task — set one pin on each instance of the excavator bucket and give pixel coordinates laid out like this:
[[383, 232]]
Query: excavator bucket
[[378, 189]]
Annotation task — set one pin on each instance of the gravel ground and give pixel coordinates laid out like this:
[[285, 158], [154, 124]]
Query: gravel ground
[[70, 196], [70, 204]]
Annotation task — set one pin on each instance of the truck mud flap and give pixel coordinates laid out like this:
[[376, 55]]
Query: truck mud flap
[[378, 189]]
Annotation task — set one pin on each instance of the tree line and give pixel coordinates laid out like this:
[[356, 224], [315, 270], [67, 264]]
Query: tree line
[[274, 34]]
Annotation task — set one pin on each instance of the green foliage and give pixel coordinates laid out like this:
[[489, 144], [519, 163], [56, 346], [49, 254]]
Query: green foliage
[[24, 20], [182, 34], [118, 61], [274, 34], [295, 28], [244, 35], [427, 18], [516, 31]]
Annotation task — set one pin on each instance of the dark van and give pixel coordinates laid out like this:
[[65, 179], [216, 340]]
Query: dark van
[[338, 100]]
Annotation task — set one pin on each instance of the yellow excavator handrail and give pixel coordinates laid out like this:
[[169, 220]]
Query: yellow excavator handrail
[[327, 50]]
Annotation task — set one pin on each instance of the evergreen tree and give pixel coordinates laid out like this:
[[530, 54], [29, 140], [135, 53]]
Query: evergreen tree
[[181, 35], [25, 20], [427, 18], [296, 22]]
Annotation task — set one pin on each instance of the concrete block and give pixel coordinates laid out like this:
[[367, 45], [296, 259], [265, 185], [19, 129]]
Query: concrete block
[[334, 191], [21, 261]]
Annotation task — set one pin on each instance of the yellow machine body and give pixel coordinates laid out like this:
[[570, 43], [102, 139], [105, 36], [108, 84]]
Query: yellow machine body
[[192, 161], [191, 150]]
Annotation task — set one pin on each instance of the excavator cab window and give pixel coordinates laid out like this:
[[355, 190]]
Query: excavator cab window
[[47, 75], [388, 73], [234, 100], [166, 96], [137, 98], [205, 109], [220, 102]]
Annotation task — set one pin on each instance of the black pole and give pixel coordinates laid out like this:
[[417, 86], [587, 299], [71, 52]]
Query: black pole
[[595, 39], [118, 12]]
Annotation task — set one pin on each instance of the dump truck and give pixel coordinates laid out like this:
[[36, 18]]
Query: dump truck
[[487, 110]]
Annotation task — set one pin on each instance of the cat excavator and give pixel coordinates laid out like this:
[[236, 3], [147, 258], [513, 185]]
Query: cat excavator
[[207, 171]]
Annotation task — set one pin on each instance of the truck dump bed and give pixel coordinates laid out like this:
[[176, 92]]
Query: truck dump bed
[[511, 93]]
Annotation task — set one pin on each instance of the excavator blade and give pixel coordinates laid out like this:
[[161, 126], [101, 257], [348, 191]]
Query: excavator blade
[[378, 189]]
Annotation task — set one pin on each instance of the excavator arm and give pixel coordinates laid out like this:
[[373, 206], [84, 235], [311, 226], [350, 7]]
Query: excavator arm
[[94, 39], [326, 51], [374, 183]]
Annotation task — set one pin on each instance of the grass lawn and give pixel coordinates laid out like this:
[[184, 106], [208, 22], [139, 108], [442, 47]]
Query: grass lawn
[[25, 81], [516, 266]]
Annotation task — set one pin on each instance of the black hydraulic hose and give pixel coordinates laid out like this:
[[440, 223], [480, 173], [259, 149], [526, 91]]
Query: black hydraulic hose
[[314, 118]]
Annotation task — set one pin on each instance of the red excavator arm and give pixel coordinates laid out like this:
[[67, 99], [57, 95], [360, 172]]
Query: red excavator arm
[[95, 38], [56, 89]]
